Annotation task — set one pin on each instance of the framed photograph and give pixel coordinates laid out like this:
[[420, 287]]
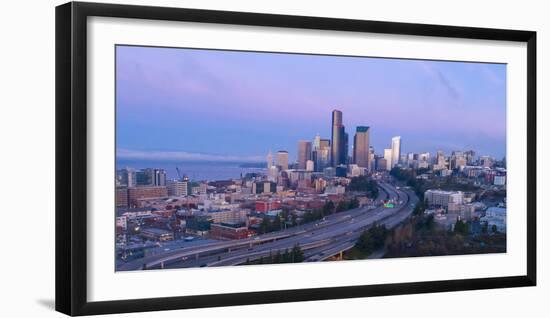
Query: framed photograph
[[211, 158]]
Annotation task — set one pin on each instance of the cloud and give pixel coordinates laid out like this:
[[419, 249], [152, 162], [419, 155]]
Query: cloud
[[127, 154], [443, 80], [451, 90]]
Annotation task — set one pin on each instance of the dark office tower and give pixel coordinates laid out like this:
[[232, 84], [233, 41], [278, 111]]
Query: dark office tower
[[470, 156], [144, 177], [304, 153], [338, 154], [361, 146], [151, 177], [345, 155]]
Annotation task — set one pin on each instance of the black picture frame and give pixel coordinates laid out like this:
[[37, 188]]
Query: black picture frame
[[71, 157]]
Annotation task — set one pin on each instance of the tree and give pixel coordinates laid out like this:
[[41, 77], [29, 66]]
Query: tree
[[265, 225], [461, 227], [363, 184], [293, 219], [328, 208], [494, 228], [485, 228], [364, 242], [286, 256], [296, 254], [430, 223], [342, 206], [372, 239], [419, 208], [353, 204], [277, 258], [276, 224]]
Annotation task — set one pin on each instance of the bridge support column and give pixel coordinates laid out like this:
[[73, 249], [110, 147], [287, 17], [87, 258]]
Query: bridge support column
[[341, 256], [161, 265], [197, 256]]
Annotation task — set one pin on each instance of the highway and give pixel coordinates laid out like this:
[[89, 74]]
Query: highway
[[333, 238], [319, 240], [345, 243]]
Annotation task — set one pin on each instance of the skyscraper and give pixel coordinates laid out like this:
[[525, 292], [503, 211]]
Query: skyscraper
[[395, 150], [440, 161], [310, 165], [322, 155], [304, 153], [361, 147], [159, 177], [372, 160], [151, 176], [345, 155], [282, 159], [269, 159], [338, 155], [470, 156], [316, 142], [315, 149], [126, 177], [387, 157]]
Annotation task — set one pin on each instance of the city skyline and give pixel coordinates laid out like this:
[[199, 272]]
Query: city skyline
[[179, 80], [244, 158]]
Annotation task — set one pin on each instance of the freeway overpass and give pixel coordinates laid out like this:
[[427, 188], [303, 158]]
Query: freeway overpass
[[321, 243], [343, 244], [314, 238]]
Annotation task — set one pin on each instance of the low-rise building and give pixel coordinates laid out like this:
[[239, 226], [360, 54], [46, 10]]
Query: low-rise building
[[267, 205], [156, 234], [230, 231], [228, 216], [338, 189], [499, 180], [198, 225], [121, 197], [177, 188], [443, 198], [495, 216], [145, 192]]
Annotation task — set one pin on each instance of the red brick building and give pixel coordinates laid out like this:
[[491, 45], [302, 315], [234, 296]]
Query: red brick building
[[147, 192], [229, 231], [267, 205], [121, 197]]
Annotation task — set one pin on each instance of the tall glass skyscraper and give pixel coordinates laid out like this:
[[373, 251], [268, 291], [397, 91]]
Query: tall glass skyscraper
[[361, 147], [395, 150], [338, 155]]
